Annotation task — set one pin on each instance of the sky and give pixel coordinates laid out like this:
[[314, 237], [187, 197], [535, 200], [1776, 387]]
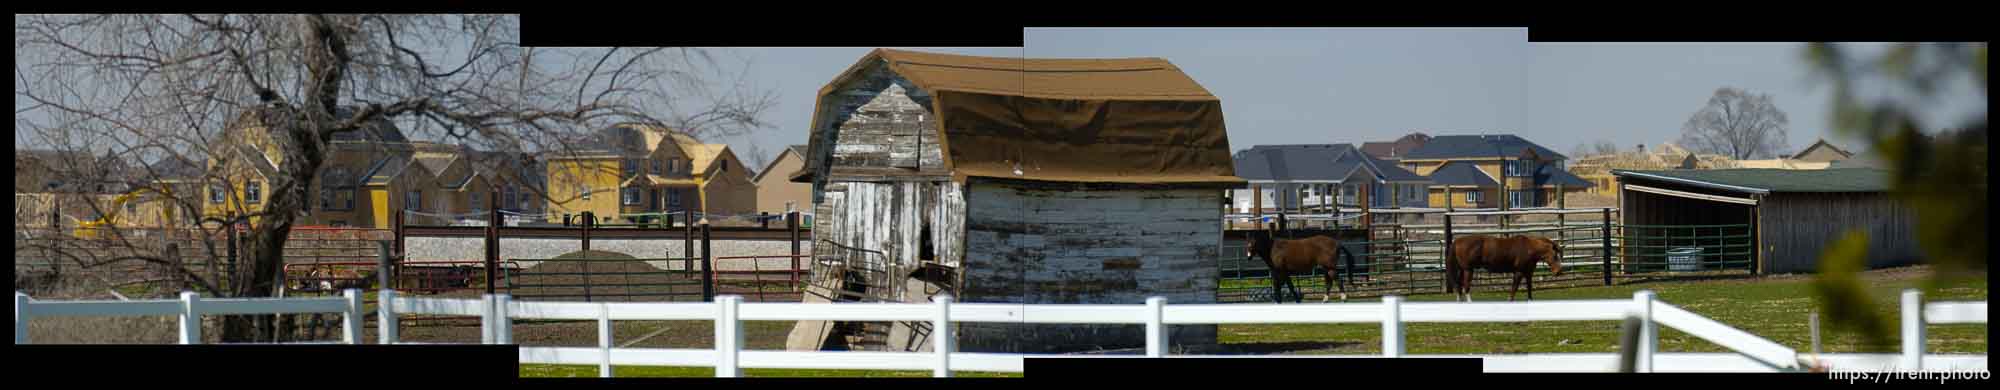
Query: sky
[[1359, 85], [1333, 85]]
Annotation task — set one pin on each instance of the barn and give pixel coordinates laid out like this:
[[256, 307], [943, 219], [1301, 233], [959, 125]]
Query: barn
[[1791, 215], [1013, 180]]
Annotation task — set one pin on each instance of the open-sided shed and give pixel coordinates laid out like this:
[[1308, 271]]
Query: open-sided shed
[[1014, 180], [1792, 215]]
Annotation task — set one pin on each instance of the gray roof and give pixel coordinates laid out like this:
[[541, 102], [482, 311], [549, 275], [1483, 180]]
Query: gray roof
[[1475, 146], [1461, 174], [382, 131], [1772, 180], [1549, 175], [1321, 162]]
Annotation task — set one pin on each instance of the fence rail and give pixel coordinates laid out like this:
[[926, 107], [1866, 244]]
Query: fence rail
[[497, 311]]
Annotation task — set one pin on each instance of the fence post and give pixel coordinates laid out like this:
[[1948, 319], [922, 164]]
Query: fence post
[[1913, 330], [588, 220], [384, 267], [941, 336], [350, 320], [792, 224], [21, 317], [1392, 326], [1450, 280], [687, 242], [486, 319], [1605, 239], [503, 320], [707, 268], [385, 317], [190, 318], [1648, 331], [1156, 327], [604, 340], [493, 240], [728, 339]]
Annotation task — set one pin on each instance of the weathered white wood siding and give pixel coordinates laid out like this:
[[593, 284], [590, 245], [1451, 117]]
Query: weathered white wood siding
[[1068, 244], [882, 120]]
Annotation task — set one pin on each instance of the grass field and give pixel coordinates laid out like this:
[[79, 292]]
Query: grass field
[[1774, 307]]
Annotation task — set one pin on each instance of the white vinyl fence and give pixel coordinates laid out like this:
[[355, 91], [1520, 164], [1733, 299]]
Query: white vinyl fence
[[1751, 353], [189, 309]]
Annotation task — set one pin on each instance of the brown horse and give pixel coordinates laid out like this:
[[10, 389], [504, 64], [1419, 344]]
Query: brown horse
[[1517, 255], [1287, 257]]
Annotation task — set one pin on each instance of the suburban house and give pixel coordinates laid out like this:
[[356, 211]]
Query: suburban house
[[1467, 171], [82, 185], [723, 183], [1393, 151], [1596, 169], [634, 173], [1821, 151], [776, 193], [1309, 177], [369, 176]]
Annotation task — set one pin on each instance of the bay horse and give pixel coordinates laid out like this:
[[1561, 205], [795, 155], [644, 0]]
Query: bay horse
[[1517, 254], [1287, 257]]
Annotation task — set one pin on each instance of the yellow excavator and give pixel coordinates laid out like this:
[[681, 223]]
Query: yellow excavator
[[109, 220]]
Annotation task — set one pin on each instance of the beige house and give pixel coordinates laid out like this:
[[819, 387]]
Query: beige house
[[724, 183], [1822, 152], [776, 193]]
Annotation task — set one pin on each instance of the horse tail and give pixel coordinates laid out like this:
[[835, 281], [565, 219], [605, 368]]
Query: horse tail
[[1349, 256]]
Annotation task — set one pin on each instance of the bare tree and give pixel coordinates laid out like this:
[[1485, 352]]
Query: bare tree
[[1594, 148], [163, 88], [1604, 147], [1738, 124]]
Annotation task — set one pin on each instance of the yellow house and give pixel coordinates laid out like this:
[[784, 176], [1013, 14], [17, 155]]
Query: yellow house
[[246, 159], [622, 174], [635, 173]]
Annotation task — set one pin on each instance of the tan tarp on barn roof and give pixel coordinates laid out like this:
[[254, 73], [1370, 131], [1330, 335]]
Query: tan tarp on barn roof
[[1135, 120]]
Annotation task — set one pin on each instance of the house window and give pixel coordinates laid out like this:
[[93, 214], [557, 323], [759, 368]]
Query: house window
[[656, 167], [1411, 166], [477, 204], [345, 198], [1519, 168], [253, 192], [325, 198], [584, 190], [630, 196], [725, 165], [631, 167], [507, 196], [413, 201], [131, 207], [673, 198], [1347, 194], [1473, 197], [1523, 198], [215, 193]]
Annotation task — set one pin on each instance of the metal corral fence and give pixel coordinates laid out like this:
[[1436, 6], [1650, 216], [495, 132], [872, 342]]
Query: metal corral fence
[[1408, 259], [696, 275]]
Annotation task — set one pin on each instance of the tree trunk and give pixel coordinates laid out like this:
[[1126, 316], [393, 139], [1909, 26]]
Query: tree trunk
[[326, 60]]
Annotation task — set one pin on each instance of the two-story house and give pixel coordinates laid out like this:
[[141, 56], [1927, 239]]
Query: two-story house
[[634, 173], [1483, 171], [1309, 177]]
